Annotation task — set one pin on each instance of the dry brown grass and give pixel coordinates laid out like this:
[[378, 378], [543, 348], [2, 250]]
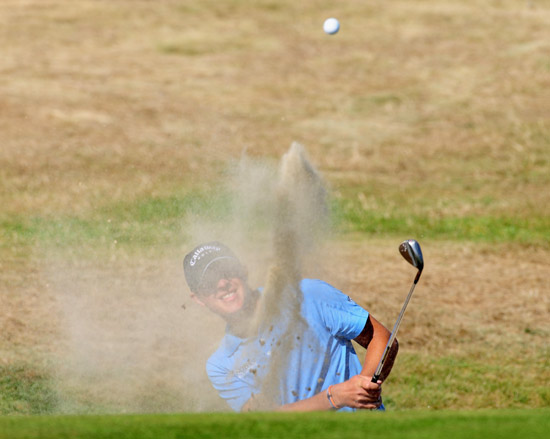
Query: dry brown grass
[[127, 98], [444, 101], [469, 298]]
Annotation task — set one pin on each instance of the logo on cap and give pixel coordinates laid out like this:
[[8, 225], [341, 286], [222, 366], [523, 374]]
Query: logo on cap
[[201, 252]]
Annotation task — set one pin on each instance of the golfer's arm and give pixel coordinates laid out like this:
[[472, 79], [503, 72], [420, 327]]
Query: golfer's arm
[[317, 402], [374, 338]]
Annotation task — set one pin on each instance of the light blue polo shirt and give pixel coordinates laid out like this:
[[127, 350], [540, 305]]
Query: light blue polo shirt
[[321, 354]]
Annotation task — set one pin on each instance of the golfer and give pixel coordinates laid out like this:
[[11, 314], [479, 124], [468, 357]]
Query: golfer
[[322, 370]]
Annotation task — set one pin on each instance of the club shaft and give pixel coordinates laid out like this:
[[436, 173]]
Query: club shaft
[[376, 375]]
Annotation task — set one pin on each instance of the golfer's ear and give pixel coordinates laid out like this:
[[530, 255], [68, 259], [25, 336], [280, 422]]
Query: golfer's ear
[[197, 299]]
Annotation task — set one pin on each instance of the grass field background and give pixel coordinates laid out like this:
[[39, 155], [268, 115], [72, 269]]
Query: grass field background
[[122, 121], [462, 424]]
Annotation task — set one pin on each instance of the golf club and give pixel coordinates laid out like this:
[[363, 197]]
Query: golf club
[[410, 250]]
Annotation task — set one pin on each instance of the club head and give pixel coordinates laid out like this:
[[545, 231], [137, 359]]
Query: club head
[[410, 250]]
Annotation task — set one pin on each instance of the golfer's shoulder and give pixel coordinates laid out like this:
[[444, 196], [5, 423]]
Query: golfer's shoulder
[[316, 289], [320, 294]]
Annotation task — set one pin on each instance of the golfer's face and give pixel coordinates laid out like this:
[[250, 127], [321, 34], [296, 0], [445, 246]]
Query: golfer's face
[[227, 297]]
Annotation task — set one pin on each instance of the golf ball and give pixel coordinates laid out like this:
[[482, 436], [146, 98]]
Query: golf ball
[[331, 26]]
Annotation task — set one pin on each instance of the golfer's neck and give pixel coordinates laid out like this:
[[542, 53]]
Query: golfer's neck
[[239, 323]]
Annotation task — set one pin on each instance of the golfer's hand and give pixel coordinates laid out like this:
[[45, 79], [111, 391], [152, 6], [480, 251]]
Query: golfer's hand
[[358, 392]]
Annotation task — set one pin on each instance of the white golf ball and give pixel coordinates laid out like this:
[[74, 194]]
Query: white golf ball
[[331, 26]]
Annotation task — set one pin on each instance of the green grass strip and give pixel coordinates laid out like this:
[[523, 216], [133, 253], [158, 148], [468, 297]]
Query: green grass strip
[[444, 424], [479, 228], [158, 220], [143, 222]]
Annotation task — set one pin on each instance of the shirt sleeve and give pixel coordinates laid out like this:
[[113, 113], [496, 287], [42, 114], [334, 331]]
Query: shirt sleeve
[[234, 391], [341, 316]]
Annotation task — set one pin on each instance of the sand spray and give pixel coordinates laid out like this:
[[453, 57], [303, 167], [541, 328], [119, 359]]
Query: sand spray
[[300, 217], [129, 337]]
